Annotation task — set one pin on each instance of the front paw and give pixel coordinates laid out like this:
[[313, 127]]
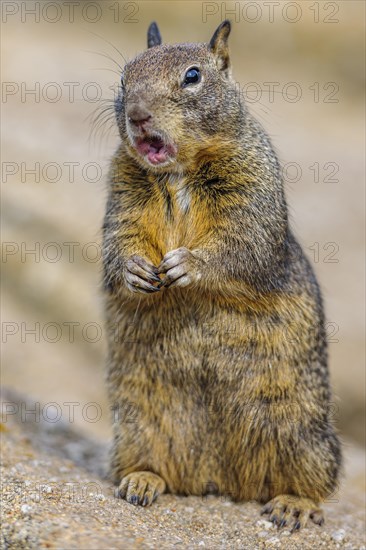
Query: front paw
[[181, 268], [140, 275], [141, 488]]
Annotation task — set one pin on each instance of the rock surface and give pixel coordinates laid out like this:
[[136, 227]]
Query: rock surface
[[55, 495]]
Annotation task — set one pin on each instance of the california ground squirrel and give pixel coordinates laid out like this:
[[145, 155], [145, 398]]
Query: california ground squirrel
[[221, 341]]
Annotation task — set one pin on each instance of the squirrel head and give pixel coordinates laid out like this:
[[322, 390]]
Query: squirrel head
[[177, 101]]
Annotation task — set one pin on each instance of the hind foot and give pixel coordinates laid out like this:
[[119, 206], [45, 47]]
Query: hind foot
[[292, 511], [141, 488]]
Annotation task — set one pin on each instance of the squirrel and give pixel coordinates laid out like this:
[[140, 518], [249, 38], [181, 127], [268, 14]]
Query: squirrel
[[215, 322]]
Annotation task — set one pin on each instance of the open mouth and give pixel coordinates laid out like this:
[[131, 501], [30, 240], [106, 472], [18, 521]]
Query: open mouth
[[155, 149]]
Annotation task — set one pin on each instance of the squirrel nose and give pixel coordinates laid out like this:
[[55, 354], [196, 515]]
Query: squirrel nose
[[138, 115]]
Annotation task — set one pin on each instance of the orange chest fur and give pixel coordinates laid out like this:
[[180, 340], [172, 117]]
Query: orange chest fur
[[174, 218]]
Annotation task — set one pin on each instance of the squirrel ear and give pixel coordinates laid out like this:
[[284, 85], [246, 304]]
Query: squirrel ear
[[219, 46], [153, 35]]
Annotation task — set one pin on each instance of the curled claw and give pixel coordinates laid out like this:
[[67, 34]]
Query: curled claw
[[141, 488], [296, 526], [179, 267], [292, 511], [140, 275]]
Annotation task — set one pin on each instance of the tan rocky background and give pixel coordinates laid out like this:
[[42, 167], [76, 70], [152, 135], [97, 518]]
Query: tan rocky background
[[311, 55]]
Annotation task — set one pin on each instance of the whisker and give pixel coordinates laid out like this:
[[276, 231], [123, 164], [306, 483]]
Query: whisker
[[106, 56], [102, 121], [102, 132], [110, 43], [105, 69], [101, 118], [94, 114]]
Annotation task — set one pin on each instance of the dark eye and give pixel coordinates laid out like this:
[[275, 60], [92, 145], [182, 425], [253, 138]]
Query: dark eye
[[192, 76]]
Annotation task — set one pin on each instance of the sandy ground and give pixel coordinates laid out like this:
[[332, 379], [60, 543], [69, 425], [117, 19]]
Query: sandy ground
[[55, 495]]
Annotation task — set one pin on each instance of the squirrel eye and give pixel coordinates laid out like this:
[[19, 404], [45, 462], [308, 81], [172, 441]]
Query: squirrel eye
[[192, 76]]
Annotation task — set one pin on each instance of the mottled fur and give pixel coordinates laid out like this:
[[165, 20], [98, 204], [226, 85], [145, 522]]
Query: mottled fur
[[227, 374]]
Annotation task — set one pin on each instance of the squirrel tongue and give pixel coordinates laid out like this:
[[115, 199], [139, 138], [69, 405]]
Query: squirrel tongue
[[155, 150], [157, 157]]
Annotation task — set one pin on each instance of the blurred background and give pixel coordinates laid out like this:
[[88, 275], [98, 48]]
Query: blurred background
[[301, 68]]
